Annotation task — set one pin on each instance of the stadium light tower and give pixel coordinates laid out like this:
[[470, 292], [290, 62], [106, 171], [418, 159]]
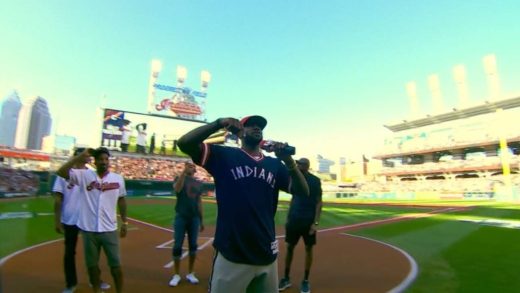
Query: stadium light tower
[[435, 89], [154, 74], [411, 90], [182, 74], [490, 66], [459, 75], [205, 78]]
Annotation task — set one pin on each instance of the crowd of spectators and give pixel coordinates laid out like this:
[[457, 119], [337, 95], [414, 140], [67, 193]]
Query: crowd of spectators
[[18, 181], [481, 163], [456, 185], [153, 168]]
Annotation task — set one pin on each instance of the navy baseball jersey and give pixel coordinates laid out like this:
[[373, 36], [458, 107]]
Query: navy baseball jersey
[[247, 197]]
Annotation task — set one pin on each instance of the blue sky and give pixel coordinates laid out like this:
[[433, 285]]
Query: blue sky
[[327, 75]]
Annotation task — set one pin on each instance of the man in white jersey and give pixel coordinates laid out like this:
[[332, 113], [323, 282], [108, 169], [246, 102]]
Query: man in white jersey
[[66, 216], [101, 192]]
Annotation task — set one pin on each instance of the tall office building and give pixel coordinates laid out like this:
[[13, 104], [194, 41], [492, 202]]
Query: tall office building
[[34, 123], [40, 124], [324, 164], [9, 119]]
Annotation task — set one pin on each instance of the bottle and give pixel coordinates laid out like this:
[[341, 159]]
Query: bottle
[[268, 146]]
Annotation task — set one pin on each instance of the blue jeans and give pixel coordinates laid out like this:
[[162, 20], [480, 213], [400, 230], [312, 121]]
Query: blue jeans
[[181, 226]]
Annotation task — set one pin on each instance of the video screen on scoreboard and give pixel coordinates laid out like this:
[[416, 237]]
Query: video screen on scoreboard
[[143, 133]]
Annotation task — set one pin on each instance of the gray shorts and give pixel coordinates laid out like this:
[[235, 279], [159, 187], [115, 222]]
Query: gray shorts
[[228, 277], [94, 241]]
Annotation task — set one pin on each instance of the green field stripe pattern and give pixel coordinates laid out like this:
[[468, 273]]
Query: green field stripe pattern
[[457, 255]]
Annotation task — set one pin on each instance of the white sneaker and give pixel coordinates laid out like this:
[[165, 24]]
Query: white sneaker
[[104, 286], [70, 290], [192, 279], [175, 280]]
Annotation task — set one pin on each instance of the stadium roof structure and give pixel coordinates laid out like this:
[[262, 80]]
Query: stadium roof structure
[[440, 149], [484, 108]]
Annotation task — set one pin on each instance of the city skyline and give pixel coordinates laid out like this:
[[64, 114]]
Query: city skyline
[[327, 76], [24, 123]]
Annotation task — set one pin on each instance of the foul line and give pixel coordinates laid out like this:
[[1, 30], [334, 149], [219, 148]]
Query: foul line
[[412, 274], [6, 258], [170, 264], [165, 244]]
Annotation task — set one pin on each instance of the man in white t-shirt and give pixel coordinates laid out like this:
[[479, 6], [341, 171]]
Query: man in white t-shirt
[[125, 136], [101, 192], [66, 208], [141, 138]]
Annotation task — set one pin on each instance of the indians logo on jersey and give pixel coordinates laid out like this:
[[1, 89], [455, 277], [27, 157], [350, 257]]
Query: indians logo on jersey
[[103, 186], [240, 172]]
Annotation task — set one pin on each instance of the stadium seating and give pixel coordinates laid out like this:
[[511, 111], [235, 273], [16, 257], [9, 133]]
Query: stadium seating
[[18, 181], [153, 168]]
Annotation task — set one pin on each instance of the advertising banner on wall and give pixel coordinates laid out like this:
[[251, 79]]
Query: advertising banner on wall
[[143, 133]]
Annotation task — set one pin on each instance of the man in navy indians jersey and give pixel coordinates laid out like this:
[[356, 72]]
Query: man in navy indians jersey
[[246, 185], [66, 210], [302, 221]]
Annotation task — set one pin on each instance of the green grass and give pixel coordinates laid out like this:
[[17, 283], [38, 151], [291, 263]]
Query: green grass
[[454, 255], [19, 233], [161, 212]]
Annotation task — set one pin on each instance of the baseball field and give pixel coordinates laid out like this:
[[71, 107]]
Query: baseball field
[[363, 246]]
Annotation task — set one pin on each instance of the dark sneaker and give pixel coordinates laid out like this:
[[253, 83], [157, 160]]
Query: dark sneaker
[[306, 287], [70, 289], [284, 284]]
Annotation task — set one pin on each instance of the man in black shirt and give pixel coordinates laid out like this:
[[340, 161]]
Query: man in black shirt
[[302, 221]]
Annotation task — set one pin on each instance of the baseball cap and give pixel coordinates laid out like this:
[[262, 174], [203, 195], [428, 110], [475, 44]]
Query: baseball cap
[[303, 161], [254, 119]]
